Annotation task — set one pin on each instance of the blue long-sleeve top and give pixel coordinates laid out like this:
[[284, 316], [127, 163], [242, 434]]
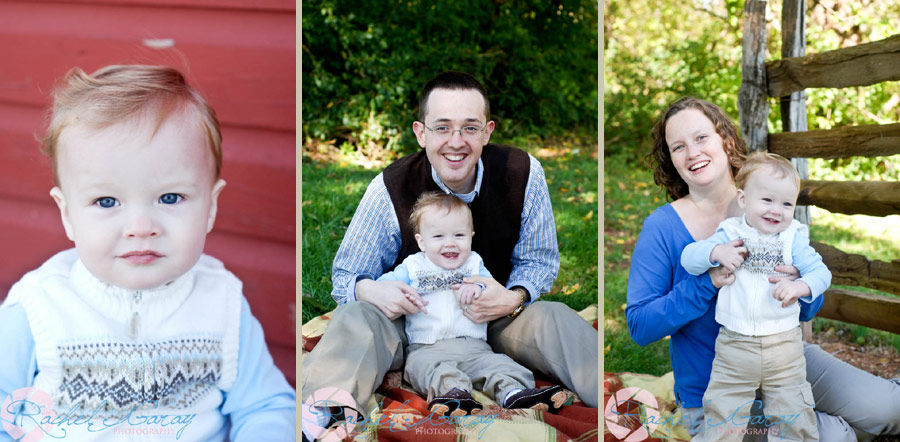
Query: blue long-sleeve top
[[261, 405], [665, 300]]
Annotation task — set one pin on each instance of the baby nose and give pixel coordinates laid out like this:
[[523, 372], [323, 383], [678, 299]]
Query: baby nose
[[141, 225]]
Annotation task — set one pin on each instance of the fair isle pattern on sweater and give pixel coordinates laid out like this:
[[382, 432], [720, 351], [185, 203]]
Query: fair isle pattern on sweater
[[762, 255], [435, 281], [114, 378]]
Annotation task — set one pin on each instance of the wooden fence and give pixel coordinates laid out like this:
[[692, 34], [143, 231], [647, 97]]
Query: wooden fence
[[786, 79]]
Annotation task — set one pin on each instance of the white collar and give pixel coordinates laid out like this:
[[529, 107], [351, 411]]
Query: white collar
[[467, 197]]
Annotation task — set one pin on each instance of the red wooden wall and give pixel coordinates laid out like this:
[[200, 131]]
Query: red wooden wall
[[240, 54]]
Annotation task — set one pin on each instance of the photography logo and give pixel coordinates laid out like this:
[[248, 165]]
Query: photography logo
[[628, 408], [314, 413], [34, 403]]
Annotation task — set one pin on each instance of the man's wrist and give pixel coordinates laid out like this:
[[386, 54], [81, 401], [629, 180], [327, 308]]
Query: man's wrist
[[524, 297]]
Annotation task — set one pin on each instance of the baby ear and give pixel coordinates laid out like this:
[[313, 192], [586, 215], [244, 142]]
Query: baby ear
[[420, 241], [214, 204], [60, 200], [740, 198]]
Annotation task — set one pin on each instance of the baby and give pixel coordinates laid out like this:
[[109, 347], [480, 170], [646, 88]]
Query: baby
[[760, 345], [448, 353], [135, 331]]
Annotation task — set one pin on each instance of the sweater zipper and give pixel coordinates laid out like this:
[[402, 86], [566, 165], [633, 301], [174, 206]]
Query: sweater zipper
[[135, 323]]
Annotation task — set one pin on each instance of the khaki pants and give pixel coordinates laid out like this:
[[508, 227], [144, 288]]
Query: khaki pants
[[361, 345], [851, 404], [463, 363], [773, 363]]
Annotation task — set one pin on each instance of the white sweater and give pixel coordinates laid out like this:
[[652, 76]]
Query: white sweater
[[116, 355], [747, 306], [445, 319]]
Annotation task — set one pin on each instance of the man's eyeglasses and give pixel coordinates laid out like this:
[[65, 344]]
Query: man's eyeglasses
[[443, 131]]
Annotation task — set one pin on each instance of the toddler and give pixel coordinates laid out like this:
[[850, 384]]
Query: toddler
[[448, 353], [135, 331], [759, 344]]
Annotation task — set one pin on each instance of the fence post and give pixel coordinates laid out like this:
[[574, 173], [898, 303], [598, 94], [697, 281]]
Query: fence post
[[753, 104], [793, 107]]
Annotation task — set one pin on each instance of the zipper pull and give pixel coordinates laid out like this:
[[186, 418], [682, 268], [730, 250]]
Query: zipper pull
[[135, 316]]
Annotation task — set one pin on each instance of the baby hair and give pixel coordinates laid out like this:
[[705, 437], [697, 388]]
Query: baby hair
[[444, 202], [659, 159], [771, 162], [118, 93]]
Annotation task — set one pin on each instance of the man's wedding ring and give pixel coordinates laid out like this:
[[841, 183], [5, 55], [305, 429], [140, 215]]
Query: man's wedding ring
[[466, 308]]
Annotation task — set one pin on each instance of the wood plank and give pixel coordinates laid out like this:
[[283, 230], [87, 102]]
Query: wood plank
[[248, 76], [793, 107], [842, 142], [860, 65], [246, 5], [876, 198], [753, 104], [857, 270], [864, 309]]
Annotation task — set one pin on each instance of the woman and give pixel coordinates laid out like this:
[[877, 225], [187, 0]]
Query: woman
[[696, 154]]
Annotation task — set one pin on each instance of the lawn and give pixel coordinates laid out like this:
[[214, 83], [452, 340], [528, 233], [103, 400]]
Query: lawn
[[630, 195], [332, 189]]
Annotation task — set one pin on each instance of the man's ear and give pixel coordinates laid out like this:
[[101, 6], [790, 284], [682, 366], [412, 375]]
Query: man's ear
[[421, 242], [60, 199], [419, 130], [488, 129], [214, 204], [740, 198]]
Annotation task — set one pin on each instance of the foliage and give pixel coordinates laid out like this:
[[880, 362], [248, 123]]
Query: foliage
[[365, 61], [659, 52], [332, 190]]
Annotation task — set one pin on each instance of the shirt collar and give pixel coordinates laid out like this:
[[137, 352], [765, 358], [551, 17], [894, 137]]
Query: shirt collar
[[467, 197]]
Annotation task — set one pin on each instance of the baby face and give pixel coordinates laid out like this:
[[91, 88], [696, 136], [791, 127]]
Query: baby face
[[138, 205], [446, 238], [768, 201]]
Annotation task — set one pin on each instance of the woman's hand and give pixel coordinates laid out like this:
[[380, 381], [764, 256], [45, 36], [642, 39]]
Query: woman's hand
[[792, 274], [720, 277]]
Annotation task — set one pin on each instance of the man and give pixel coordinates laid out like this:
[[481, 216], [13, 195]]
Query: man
[[515, 235]]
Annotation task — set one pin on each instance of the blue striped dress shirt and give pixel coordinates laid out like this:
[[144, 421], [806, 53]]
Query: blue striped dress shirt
[[372, 241]]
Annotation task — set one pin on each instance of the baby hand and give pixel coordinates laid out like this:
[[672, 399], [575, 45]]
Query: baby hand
[[729, 255], [467, 293], [789, 291]]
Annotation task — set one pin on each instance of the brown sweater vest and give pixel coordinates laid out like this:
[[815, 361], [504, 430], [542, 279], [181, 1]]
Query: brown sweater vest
[[496, 211]]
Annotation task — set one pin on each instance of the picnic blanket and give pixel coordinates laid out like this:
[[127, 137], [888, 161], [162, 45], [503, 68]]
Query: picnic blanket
[[400, 414], [640, 407]]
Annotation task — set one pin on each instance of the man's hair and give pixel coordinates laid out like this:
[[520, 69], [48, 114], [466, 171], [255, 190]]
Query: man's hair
[[455, 81], [777, 164], [660, 161], [115, 94], [443, 202]]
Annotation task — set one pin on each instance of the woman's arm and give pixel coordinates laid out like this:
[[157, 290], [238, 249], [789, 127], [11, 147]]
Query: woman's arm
[[658, 305]]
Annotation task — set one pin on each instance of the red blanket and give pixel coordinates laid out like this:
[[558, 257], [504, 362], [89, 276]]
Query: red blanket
[[402, 414]]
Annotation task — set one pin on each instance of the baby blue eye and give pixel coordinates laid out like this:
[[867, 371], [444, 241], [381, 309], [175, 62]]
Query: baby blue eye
[[170, 198], [106, 202]]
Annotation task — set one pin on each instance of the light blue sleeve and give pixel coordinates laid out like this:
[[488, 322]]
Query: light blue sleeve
[[483, 271], [261, 404], [18, 366], [535, 257], [695, 256], [370, 245], [400, 273], [812, 270]]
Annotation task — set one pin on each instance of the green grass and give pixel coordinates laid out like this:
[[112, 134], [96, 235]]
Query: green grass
[[630, 195], [332, 190]]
